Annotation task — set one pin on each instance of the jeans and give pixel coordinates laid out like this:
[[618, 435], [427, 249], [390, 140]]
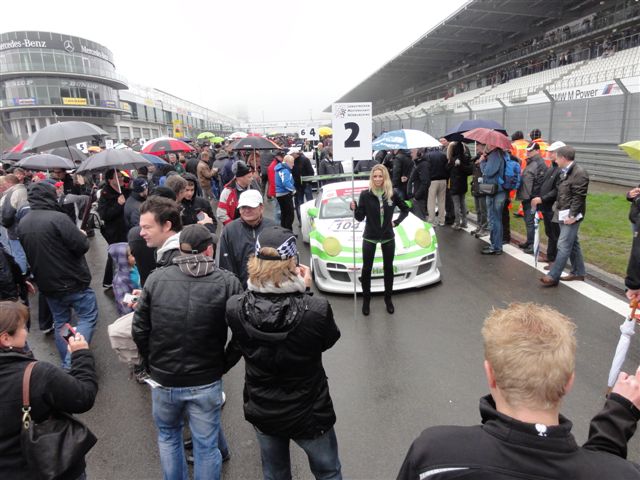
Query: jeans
[[529, 221], [494, 210], [481, 212], [202, 405], [303, 195], [85, 305], [368, 254], [17, 252], [459, 209], [552, 230], [321, 451], [568, 249], [437, 194]]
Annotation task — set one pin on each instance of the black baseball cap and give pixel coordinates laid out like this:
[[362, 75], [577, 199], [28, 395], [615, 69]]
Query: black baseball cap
[[195, 239]]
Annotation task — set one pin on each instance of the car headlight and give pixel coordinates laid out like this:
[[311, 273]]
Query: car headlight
[[331, 246], [423, 238]]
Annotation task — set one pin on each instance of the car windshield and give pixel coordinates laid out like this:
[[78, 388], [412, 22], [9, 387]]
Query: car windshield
[[337, 205]]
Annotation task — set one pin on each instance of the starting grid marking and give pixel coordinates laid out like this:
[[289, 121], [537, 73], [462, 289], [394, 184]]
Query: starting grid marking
[[588, 290]]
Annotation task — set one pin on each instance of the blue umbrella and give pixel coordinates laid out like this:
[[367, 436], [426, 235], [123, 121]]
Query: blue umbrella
[[455, 134], [403, 140], [154, 159]]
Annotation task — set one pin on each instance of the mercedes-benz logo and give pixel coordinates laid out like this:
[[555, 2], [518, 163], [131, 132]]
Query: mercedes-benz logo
[[68, 46]]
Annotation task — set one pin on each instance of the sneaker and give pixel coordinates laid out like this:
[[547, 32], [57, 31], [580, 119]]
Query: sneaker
[[107, 286], [456, 227], [482, 233], [48, 331]]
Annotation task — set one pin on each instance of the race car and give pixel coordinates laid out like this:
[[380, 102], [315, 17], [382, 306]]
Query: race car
[[328, 226]]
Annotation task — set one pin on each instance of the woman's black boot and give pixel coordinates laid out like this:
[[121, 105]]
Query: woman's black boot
[[389, 304], [366, 300]]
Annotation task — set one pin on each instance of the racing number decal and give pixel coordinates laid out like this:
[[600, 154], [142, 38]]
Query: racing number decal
[[346, 225], [351, 141]]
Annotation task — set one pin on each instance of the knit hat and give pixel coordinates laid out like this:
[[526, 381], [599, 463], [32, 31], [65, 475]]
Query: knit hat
[[242, 169], [140, 185]]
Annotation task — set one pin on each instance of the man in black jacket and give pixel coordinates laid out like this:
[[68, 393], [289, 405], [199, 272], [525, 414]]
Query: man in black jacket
[[183, 347], [419, 182], [529, 365], [546, 199], [569, 212], [438, 187], [111, 211], [139, 191], [529, 189], [402, 167], [55, 249], [301, 168]]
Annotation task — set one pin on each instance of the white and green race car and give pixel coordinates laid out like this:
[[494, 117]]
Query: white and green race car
[[327, 225]]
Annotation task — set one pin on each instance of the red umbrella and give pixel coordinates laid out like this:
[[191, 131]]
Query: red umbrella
[[488, 136], [17, 148], [166, 145]]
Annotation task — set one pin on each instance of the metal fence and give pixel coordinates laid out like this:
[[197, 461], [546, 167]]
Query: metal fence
[[595, 126]]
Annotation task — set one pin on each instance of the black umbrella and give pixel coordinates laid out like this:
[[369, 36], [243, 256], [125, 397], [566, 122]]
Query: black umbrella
[[120, 159], [12, 157], [255, 143], [72, 153], [455, 134], [62, 134], [46, 161]]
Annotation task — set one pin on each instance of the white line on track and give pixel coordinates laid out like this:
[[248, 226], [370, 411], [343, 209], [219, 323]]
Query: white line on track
[[590, 291]]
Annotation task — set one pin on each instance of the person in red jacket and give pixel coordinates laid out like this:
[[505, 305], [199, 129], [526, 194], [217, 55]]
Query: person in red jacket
[[271, 192]]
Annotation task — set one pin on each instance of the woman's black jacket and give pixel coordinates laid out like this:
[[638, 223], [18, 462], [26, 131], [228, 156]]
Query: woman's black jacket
[[369, 208]]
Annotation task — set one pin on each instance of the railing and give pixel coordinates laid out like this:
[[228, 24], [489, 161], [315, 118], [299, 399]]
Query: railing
[[14, 69]]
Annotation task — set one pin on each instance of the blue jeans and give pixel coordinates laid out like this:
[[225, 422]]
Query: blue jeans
[[494, 211], [85, 305], [568, 249], [202, 405], [529, 221], [17, 252], [321, 451]]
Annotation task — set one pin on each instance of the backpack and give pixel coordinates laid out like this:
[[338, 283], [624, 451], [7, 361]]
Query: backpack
[[8, 213], [512, 177]]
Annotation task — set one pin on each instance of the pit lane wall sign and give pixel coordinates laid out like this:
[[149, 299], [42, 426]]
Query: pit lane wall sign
[[587, 91], [352, 128]]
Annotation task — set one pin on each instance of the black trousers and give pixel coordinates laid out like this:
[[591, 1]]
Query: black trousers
[[552, 230], [506, 221], [287, 211], [45, 319], [368, 253]]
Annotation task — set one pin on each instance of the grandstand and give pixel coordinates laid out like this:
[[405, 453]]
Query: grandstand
[[570, 68]]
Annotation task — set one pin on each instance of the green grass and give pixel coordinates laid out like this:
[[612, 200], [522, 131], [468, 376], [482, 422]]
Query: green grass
[[605, 233]]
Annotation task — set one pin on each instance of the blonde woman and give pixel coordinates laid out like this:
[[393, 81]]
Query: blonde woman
[[281, 331], [377, 205]]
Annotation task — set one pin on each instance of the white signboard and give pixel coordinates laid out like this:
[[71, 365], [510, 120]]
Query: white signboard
[[352, 127], [309, 133], [82, 147], [108, 143]]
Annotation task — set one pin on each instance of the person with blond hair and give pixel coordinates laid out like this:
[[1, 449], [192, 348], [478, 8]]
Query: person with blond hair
[[281, 330], [529, 362], [377, 205]]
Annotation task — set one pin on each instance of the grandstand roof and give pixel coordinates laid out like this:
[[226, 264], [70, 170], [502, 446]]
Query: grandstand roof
[[478, 26]]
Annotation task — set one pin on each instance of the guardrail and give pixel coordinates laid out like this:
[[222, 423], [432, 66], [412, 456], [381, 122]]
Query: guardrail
[[608, 164]]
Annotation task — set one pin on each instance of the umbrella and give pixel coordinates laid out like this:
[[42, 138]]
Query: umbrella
[[325, 131], [254, 143], [627, 329], [632, 148], [404, 139], [46, 161], [62, 134], [117, 159], [205, 136], [489, 137], [17, 148], [167, 145], [536, 236], [12, 157], [235, 135], [217, 139], [455, 134], [72, 153], [154, 159]]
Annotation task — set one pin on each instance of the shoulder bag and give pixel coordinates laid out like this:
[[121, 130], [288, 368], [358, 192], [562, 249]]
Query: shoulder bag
[[56, 445]]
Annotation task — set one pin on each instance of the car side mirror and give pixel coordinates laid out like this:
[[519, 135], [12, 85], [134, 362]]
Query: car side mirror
[[312, 212]]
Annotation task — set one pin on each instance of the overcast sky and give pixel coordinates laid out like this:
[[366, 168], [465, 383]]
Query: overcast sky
[[282, 59]]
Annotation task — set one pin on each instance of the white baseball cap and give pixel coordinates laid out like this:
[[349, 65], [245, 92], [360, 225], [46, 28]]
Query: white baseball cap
[[555, 146], [250, 198]]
